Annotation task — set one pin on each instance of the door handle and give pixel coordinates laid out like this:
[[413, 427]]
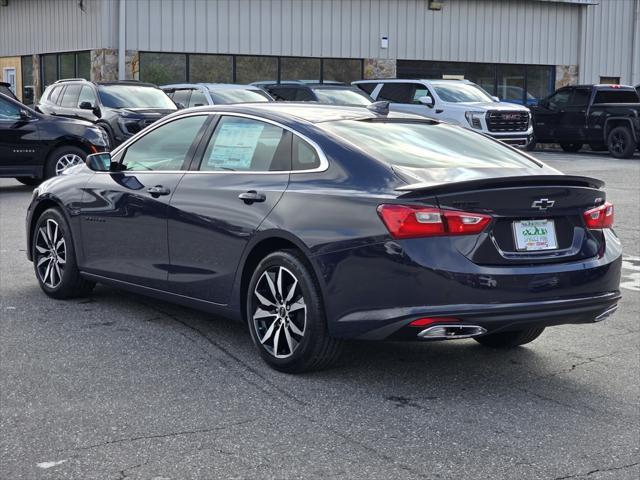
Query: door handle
[[158, 190], [252, 196]]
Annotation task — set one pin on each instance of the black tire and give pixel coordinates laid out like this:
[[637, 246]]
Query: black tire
[[531, 146], [32, 181], [620, 142], [279, 325], [108, 135], [64, 280], [69, 151], [510, 339], [571, 147]]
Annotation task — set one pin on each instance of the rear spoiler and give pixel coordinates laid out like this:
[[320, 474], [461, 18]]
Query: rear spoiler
[[503, 182]]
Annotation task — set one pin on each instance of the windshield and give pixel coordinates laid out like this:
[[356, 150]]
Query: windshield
[[239, 95], [339, 96], [426, 145], [461, 92], [134, 96]]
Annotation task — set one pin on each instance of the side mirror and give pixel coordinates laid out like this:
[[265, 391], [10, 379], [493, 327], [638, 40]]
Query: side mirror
[[86, 106], [180, 105], [100, 162], [426, 100], [25, 115], [544, 103], [495, 99]]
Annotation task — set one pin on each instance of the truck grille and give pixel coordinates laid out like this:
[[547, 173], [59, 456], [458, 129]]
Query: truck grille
[[505, 121]]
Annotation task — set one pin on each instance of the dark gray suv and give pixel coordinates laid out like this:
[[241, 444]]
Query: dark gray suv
[[119, 109]]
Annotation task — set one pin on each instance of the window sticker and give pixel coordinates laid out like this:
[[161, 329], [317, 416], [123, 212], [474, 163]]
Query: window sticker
[[234, 146]]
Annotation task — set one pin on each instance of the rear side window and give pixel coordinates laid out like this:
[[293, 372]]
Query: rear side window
[[70, 96], [616, 96], [182, 97], [426, 145], [367, 87], [305, 156], [397, 92], [198, 99], [580, 97], [292, 94], [246, 145], [54, 94]]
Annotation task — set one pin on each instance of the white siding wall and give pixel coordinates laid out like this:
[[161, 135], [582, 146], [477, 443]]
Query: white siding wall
[[44, 26], [608, 42], [507, 31]]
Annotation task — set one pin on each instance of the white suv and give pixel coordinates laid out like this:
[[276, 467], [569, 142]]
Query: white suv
[[460, 102]]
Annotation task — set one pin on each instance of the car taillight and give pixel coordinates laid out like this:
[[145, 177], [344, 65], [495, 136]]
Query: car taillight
[[599, 217], [405, 221]]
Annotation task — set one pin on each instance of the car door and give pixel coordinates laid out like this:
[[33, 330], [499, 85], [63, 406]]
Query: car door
[[69, 101], [20, 148], [404, 97], [548, 115], [573, 120], [124, 212], [243, 172], [87, 103]]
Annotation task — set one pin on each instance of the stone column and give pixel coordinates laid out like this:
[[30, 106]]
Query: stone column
[[35, 64], [566, 75], [104, 65], [132, 65], [379, 68]]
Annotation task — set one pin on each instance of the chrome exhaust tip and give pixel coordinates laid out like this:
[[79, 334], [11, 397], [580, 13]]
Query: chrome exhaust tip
[[451, 332], [607, 313]]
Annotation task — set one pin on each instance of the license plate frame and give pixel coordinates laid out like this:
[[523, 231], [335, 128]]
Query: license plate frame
[[542, 238]]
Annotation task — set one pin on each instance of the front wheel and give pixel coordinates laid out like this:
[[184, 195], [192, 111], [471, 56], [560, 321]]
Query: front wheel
[[509, 339], [54, 258], [286, 317], [571, 147], [62, 158], [621, 143]]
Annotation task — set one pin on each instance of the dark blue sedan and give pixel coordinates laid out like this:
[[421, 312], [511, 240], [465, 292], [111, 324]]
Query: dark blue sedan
[[315, 224]]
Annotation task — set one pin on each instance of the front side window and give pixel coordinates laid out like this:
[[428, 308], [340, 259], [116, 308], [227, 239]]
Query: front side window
[[198, 99], [8, 111], [70, 96], [421, 92], [134, 96], [237, 95], [181, 97], [164, 148], [87, 95], [397, 92], [341, 96], [559, 99], [425, 145], [247, 145]]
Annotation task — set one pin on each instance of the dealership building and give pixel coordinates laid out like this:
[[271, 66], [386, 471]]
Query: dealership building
[[519, 50]]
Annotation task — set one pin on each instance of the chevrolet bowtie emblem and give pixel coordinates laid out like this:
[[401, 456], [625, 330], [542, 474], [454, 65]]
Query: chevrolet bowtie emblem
[[543, 204]]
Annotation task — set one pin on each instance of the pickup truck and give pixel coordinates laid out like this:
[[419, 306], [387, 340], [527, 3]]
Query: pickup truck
[[602, 116]]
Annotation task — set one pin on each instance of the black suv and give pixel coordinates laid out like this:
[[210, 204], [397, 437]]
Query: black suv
[[120, 109], [34, 146], [333, 93]]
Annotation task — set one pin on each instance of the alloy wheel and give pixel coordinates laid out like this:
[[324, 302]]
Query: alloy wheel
[[280, 316], [618, 143], [66, 161], [51, 253]]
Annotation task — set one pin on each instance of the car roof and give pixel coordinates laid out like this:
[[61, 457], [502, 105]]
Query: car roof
[[302, 111], [413, 80], [212, 86]]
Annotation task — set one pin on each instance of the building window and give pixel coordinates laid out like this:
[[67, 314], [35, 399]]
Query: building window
[[163, 68], [523, 84], [55, 66], [253, 69], [299, 68], [610, 80], [28, 91], [210, 68], [166, 68]]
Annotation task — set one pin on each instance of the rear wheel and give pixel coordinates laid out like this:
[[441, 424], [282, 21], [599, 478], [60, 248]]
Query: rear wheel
[[62, 158], [54, 258], [510, 339], [286, 317], [571, 147], [621, 143]]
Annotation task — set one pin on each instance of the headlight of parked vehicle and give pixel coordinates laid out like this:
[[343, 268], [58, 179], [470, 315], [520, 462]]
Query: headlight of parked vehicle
[[474, 119], [129, 126]]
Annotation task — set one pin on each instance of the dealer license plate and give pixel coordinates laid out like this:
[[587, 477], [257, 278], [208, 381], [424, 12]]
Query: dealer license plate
[[532, 235]]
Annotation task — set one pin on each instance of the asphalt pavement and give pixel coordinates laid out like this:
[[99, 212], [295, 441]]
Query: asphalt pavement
[[120, 386]]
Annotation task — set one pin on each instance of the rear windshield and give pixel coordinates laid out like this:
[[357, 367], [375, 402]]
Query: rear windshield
[[616, 96], [341, 96], [426, 145], [238, 96], [134, 96]]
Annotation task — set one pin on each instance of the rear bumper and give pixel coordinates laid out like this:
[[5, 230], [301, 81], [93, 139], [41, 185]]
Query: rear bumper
[[393, 324]]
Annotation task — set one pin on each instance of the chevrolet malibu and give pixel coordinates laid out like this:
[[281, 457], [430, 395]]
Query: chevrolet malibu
[[314, 224]]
